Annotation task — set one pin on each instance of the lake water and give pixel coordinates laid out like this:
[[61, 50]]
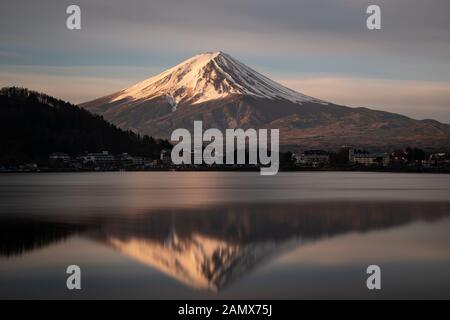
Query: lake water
[[207, 235]]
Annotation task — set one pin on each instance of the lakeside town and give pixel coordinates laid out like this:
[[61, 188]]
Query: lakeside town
[[350, 159]]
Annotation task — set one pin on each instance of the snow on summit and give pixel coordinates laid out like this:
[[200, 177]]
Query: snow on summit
[[226, 94], [206, 77]]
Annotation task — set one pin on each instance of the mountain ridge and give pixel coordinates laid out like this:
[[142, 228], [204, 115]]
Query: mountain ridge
[[224, 93]]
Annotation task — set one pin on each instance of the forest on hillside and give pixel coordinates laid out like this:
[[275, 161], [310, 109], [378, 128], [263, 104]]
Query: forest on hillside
[[33, 125]]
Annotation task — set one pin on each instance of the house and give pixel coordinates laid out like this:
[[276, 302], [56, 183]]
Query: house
[[365, 158], [59, 157], [125, 160], [29, 167], [155, 163], [139, 161], [103, 158], [314, 158], [439, 159], [166, 157], [399, 157]]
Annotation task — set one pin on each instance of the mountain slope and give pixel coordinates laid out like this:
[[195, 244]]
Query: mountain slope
[[224, 93], [206, 77], [33, 125]]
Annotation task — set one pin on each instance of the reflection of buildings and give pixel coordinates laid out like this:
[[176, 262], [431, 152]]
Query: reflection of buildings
[[211, 248]]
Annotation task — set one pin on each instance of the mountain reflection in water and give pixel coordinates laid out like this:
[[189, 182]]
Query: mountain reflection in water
[[211, 247]]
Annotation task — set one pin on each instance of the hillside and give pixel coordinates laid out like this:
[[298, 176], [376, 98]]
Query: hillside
[[225, 93], [33, 125]]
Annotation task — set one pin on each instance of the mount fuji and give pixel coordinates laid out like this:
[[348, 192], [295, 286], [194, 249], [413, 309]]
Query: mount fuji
[[224, 93]]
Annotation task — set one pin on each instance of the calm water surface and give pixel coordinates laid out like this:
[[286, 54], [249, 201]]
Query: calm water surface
[[224, 235]]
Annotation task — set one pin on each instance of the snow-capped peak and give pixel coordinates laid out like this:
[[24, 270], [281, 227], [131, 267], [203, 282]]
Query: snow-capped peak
[[206, 77]]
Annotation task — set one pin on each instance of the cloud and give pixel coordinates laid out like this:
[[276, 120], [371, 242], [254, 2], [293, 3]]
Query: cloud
[[291, 39], [62, 83], [284, 27]]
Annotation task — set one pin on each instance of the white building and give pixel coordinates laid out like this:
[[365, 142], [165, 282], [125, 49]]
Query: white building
[[103, 158], [368, 159]]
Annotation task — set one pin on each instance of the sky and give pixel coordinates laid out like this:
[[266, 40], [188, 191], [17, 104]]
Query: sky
[[321, 48]]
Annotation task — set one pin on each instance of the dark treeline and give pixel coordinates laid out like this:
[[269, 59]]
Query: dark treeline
[[33, 125]]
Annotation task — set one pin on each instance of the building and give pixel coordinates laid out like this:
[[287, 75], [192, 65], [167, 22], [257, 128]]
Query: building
[[29, 167], [139, 161], [166, 157], [59, 157], [439, 159], [399, 157], [314, 158], [104, 158], [125, 160], [365, 158]]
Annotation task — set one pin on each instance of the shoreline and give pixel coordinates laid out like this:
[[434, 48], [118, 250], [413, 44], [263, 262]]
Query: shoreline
[[282, 170]]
